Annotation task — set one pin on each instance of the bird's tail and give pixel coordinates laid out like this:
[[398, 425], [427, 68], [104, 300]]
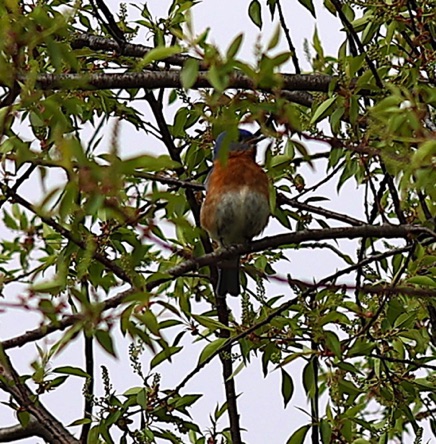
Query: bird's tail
[[228, 279]]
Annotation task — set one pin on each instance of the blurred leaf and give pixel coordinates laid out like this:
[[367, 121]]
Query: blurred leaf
[[161, 53], [234, 46], [189, 73]]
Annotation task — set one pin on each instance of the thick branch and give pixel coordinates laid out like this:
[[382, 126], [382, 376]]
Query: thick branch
[[52, 430], [169, 79], [16, 432], [383, 231], [99, 43]]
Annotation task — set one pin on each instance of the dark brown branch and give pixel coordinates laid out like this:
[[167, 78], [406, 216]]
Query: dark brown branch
[[355, 37], [283, 200], [16, 432], [111, 25], [417, 363], [53, 431], [99, 43], [78, 240], [301, 97], [88, 391], [394, 195], [170, 79], [383, 231], [288, 37]]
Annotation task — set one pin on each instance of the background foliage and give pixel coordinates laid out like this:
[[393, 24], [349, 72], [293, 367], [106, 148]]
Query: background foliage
[[103, 242]]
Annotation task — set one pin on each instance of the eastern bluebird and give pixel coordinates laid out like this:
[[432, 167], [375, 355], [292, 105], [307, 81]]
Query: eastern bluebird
[[236, 207]]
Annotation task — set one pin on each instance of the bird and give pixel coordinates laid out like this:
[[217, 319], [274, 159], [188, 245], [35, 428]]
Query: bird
[[236, 207]]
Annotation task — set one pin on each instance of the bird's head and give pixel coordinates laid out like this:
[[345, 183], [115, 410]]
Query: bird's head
[[246, 141]]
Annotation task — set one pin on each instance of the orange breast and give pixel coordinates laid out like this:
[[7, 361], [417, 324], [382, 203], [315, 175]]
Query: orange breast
[[236, 207], [240, 170]]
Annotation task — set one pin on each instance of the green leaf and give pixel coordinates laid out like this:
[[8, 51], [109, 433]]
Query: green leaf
[[211, 349], [164, 355], [132, 391], [287, 387], [210, 323], [361, 348], [141, 398], [105, 340], [217, 78], [148, 163], [189, 73], [54, 286], [333, 343], [149, 320], [74, 371], [425, 281], [309, 379], [322, 110], [274, 41], [299, 435], [234, 46], [160, 53], [80, 421], [326, 431], [23, 418], [255, 13], [308, 4]]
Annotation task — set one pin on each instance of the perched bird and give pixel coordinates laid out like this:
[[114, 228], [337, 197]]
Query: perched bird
[[236, 207]]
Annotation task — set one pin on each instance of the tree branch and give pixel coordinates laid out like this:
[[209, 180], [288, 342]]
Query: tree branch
[[288, 37], [284, 200], [169, 79], [382, 231], [355, 37], [16, 432], [110, 265], [99, 43], [53, 431]]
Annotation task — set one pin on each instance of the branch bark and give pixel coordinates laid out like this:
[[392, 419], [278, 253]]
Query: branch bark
[[381, 231], [169, 79], [49, 427]]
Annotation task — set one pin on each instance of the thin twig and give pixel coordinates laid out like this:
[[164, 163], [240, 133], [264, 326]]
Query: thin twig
[[288, 38], [73, 237], [357, 41]]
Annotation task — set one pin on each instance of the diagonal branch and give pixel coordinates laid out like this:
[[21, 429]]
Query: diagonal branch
[[382, 231], [52, 430], [355, 37], [288, 38], [72, 237], [99, 43]]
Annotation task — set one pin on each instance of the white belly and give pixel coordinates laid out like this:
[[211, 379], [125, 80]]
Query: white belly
[[241, 215]]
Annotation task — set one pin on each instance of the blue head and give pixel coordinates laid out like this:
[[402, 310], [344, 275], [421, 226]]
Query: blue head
[[246, 141]]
